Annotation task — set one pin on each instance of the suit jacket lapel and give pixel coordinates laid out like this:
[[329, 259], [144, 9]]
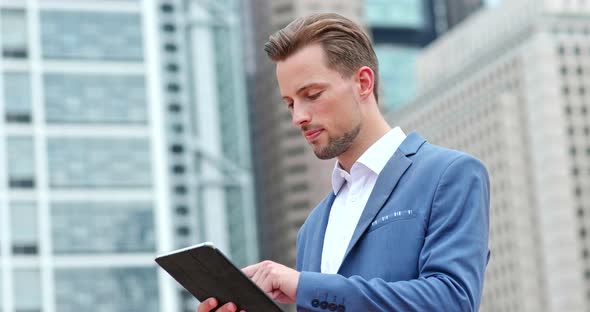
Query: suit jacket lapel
[[315, 261], [386, 182]]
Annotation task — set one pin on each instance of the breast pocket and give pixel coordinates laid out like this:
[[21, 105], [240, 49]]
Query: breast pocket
[[388, 218]]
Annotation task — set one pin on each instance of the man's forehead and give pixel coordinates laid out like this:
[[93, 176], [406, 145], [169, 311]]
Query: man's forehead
[[293, 77], [299, 83]]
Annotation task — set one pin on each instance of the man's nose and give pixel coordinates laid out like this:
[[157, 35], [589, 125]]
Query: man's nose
[[300, 116]]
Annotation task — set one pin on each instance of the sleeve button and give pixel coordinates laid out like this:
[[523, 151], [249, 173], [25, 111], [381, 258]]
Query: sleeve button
[[315, 303]]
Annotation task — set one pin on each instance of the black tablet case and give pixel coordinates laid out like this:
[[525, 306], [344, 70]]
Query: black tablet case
[[205, 272]]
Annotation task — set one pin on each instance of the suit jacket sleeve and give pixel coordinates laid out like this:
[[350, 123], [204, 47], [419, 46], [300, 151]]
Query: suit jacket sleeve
[[451, 263]]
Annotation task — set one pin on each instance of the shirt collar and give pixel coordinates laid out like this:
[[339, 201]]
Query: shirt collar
[[375, 157]]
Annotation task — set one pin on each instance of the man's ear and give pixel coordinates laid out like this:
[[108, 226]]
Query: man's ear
[[366, 81]]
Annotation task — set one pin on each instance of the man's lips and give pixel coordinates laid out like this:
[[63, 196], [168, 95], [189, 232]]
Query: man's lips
[[311, 135]]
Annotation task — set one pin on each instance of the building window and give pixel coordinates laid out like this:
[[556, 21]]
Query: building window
[[17, 97], [182, 231], [299, 187], [90, 227], [178, 169], [20, 162], [570, 130], [167, 8], [174, 108], [172, 67], [297, 169], [24, 228], [99, 162], [297, 150], [27, 290], [403, 14], [180, 189], [169, 28], [125, 289], [170, 47], [95, 99], [181, 210], [14, 33], [173, 87], [177, 128], [91, 35], [177, 149]]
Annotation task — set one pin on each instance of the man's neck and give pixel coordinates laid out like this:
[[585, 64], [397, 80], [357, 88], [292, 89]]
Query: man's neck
[[370, 133]]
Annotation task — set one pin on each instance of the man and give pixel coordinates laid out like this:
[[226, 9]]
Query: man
[[406, 226]]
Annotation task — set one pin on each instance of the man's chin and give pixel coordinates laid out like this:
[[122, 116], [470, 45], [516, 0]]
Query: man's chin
[[321, 153]]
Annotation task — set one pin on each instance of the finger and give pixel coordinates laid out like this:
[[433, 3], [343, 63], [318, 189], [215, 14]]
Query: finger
[[251, 270], [266, 281], [263, 279], [207, 305], [228, 307], [257, 276]]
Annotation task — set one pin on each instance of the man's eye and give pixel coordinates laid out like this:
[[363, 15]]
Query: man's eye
[[314, 96]]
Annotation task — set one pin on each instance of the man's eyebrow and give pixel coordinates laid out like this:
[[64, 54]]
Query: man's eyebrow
[[309, 85]]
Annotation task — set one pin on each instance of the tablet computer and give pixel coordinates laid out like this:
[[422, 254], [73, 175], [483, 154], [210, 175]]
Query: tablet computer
[[205, 272]]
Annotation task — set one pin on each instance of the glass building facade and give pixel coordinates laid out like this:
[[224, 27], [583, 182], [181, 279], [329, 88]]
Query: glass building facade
[[114, 150], [399, 14], [400, 29]]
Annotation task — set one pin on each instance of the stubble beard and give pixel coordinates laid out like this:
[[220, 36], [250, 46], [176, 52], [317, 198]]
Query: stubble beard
[[337, 146]]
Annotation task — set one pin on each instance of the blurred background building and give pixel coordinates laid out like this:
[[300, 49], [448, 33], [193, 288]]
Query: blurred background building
[[400, 29], [511, 86], [123, 134]]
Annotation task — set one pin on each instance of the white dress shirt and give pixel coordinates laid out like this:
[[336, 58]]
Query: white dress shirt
[[352, 192]]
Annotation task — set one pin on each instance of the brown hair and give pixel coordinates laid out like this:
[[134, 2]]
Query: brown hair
[[346, 45]]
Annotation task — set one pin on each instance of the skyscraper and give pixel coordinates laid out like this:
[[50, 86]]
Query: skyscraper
[[122, 135], [513, 90]]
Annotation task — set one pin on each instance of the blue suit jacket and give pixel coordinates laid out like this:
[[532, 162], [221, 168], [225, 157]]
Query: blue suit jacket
[[421, 243]]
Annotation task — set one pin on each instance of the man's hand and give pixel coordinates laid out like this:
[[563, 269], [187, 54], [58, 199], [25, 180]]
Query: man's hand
[[211, 304], [276, 280]]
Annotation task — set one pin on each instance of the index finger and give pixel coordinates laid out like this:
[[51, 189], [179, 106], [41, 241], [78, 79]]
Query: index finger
[[251, 269]]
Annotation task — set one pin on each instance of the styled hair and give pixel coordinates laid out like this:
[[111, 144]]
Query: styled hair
[[346, 45]]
